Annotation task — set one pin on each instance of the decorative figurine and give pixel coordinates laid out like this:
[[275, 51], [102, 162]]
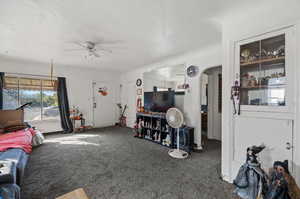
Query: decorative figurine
[[140, 128], [142, 124], [136, 129], [168, 140], [148, 134], [157, 124], [245, 55]]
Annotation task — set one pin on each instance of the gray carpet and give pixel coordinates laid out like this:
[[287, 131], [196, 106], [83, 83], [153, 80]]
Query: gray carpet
[[110, 164]]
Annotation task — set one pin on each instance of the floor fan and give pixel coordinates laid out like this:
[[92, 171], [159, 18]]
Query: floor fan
[[175, 119]]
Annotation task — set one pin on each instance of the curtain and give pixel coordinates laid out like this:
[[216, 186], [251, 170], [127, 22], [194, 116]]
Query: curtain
[[63, 104], [1, 89]]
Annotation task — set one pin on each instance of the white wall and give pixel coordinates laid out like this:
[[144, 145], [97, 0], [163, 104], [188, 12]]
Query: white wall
[[79, 81], [179, 102], [150, 82], [203, 58], [264, 19]]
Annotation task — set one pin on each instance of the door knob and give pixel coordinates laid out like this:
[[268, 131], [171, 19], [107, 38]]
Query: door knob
[[288, 146]]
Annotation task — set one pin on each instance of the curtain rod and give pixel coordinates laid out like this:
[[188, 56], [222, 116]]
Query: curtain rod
[[24, 74]]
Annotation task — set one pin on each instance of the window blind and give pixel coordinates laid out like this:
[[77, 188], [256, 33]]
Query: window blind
[[11, 82]]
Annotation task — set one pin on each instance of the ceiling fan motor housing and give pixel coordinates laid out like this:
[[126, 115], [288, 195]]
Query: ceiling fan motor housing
[[174, 118], [90, 45]]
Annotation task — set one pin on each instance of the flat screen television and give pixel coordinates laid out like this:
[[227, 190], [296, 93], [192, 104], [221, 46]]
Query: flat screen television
[[159, 101]]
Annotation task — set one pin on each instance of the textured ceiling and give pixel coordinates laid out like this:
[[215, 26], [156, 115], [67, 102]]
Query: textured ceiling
[[138, 31]]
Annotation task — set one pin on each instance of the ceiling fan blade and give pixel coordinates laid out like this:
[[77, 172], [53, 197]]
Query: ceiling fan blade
[[104, 50], [80, 44], [95, 54], [70, 50], [107, 42]]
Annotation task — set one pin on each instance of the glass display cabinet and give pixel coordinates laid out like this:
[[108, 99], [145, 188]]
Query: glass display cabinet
[[263, 71]]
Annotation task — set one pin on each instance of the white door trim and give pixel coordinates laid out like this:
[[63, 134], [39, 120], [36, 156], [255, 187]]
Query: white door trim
[[112, 86]]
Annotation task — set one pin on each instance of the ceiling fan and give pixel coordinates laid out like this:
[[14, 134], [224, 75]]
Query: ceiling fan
[[91, 48]]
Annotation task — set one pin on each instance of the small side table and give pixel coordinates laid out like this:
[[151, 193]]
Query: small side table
[[82, 123]]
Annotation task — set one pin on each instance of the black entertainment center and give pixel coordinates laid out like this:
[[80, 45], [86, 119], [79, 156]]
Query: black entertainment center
[[152, 124]]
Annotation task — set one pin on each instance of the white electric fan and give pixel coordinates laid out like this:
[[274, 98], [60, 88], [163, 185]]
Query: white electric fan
[[175, 119]]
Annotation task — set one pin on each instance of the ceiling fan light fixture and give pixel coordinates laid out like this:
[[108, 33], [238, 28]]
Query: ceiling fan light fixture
[[91, 49]]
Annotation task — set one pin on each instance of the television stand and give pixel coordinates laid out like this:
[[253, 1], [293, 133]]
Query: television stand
[[154, 127]]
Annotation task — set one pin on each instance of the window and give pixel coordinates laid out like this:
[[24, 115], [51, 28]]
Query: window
[[41, 92], [162, 89]]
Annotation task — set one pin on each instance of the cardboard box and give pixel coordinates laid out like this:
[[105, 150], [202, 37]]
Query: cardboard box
[[76, 194]]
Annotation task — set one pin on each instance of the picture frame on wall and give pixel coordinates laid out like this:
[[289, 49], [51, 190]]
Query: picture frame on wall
[[139, 91]]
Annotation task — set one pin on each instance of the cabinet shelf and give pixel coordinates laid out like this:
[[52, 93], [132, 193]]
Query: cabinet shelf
[[263, 61], [186, 133]]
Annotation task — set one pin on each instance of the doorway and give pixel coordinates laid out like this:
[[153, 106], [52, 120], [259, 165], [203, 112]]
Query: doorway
[[104, 111], [211, 106]]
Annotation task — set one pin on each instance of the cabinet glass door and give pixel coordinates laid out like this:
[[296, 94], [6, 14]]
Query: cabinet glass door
[[263, 73]]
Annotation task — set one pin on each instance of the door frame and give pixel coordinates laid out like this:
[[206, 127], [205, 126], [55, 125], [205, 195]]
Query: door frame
[[214, 108], [94, 99], [209, 128]]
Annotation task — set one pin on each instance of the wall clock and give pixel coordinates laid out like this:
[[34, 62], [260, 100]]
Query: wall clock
[[192, 71], [138, 82]]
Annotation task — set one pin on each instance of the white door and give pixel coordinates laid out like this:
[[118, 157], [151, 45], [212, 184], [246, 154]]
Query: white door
[[104, 107], [276, 134]]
